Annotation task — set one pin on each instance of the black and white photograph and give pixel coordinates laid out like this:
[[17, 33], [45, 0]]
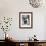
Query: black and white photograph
[[25, 19]]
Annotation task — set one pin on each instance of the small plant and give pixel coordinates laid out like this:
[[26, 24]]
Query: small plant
[[6, 24]]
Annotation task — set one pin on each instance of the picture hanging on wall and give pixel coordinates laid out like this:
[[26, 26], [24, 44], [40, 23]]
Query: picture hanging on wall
[[25, 19]]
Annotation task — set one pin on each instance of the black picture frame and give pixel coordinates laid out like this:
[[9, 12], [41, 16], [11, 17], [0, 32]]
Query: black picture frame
[[25, 20]]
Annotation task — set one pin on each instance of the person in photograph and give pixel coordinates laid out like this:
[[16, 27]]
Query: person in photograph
[[25, 20]]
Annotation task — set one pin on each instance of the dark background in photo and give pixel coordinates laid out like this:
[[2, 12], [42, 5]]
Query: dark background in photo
[[25, 20]]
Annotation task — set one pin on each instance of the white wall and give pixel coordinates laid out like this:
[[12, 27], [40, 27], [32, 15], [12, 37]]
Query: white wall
[[11, 8]]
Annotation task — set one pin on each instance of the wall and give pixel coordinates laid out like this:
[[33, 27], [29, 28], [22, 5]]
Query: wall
[[11, 8]]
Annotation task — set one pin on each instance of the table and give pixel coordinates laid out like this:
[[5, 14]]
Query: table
[[26, 42]]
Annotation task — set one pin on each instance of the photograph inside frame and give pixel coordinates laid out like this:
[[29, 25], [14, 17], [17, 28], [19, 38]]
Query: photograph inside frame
[[25, 20]]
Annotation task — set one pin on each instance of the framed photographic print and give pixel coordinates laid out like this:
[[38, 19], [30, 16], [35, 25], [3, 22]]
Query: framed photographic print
[[25, 19]]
